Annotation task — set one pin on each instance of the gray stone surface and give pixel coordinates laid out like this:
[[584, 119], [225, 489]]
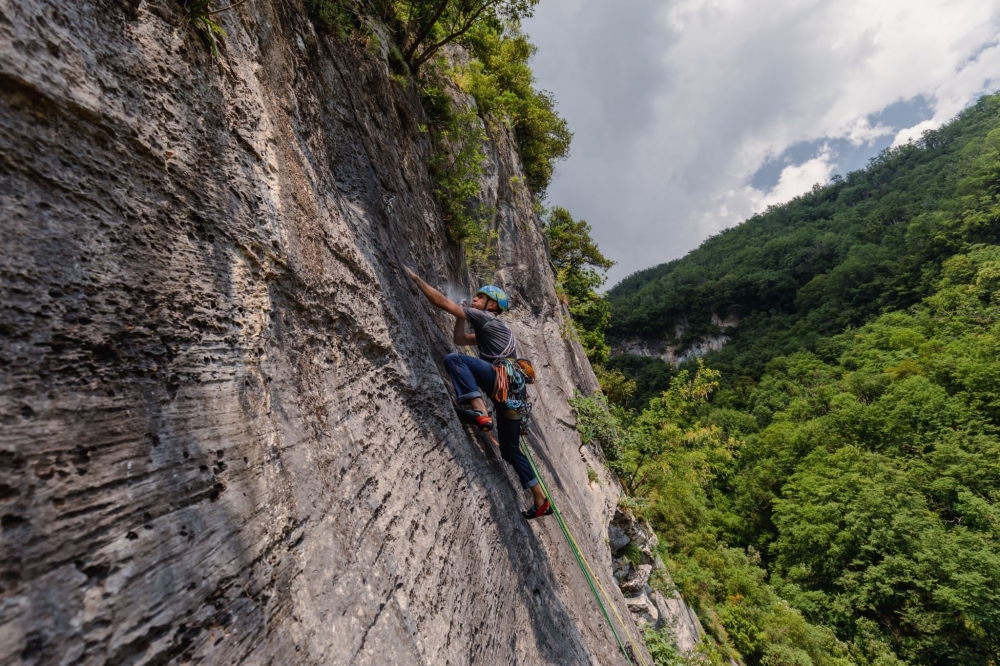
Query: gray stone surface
[[617, 539], [676, 614], [636, 579], [225, 433], [644, 611]]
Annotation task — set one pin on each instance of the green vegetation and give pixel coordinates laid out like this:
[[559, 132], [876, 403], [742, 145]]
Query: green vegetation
[[849, 512], [663, 648], [424, 26], [649, 374], [338, 16], [497, 76], [826, 488], [672, 459], [502, 83], [873, 481], [870, 242], [579, 268], [200, 13], [457, 163]]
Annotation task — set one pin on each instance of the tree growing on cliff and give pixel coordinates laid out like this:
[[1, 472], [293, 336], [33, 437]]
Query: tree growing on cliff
[[497, 75], [429, 25], [503, 84], [580, 270]]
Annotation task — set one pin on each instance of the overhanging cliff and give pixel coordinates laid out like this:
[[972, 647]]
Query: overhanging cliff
[[226, 437]]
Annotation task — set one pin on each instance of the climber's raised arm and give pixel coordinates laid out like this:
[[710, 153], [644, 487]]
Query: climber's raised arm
[[437, 298], [462, 336]]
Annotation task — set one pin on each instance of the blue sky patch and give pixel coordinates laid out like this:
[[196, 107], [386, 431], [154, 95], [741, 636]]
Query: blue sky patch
[[847, 157]]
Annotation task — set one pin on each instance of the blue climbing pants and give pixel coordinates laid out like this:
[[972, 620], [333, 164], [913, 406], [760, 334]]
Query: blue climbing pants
[[473, 376]]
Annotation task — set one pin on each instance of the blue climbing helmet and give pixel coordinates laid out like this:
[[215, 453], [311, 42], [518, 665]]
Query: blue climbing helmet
[[496, 294]]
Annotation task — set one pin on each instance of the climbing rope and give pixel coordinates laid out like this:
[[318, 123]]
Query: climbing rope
[[588, 572], [614, 609]]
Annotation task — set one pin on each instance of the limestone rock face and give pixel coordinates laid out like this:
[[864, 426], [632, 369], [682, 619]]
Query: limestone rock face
[[675, 613], [225, 436]]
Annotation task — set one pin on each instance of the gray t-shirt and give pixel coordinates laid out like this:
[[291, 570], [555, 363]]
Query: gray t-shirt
[[493, 337]]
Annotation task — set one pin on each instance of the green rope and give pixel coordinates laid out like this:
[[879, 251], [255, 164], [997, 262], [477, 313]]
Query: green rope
[[573, 546]]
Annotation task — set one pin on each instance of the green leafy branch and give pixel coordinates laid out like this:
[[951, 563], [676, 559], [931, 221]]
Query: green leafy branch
[[200, 13], [457, 165]]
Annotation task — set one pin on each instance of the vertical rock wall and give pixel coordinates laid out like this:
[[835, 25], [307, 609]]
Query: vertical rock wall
[[224, 433]]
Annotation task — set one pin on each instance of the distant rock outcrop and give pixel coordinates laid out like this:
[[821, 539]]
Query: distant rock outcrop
[[675, 353]]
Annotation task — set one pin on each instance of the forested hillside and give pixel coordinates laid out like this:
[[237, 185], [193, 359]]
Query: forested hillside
[[826, 486], [869, 242]]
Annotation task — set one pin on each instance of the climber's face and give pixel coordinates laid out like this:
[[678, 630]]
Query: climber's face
[[480, 302]]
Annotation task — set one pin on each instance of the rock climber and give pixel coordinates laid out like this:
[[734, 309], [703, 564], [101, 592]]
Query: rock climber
[[472, 376]]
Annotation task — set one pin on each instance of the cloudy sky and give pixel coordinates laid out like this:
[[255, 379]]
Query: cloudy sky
[[691, 115]]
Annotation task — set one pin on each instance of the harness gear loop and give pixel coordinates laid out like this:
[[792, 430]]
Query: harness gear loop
[[511, 392]]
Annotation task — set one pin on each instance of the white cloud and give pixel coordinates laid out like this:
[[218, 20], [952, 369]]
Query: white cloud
[[861, 132], [737, 204], [908, 134], [981, 73], [676, 106], [798, 178]]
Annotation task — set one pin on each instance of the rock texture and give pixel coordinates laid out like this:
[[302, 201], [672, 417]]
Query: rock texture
[[225, 433], [633, 544]]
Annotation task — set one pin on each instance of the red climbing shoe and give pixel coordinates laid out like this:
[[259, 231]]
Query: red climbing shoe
[[475, 418], [538, 511], [484, 422]]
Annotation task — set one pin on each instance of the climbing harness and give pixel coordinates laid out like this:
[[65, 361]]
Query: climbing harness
[[512, 390], [585, 567]]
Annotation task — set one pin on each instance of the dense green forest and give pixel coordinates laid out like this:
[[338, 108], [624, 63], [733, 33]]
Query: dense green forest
[[869, 242], [826, 486]]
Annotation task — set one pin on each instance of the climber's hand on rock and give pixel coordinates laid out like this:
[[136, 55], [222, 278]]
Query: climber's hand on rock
[[411, 273]]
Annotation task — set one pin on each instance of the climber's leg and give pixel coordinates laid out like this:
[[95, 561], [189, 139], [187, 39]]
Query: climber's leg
[[471, 376], [509, 436]]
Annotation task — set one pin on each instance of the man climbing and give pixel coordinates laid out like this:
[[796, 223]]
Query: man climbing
[[471, 376]]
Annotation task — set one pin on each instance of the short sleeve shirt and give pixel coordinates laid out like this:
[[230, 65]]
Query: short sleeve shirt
[[493, 337]]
